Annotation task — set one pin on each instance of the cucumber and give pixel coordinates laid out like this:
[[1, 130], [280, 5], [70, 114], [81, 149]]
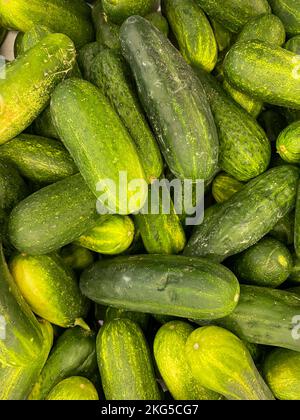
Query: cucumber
[[289, 13], [39, 159], [43, 125], [50, 289], [222, 363], [293, 44], [224, 186], [171, 360], [251, 105], [288, 145], [74, 388], [32, 37], [247, 216], [265, 316], [18, 44], [30, 80], [111, 74], [125, 363], [12, 187], [267, 263], [108, 149], [53, 217], [193, 32], [60, 16], [86, 56], [157, 285], [266, 28], [234, 14], [111, 236], [283, 231], [118, 11], [295, 273], [114, 313], [222, 35], [271, 65], [159, 21], [107, 33], [74, 354], [281, 370], [244, 148], [297, 224], [3, 33], [273, 122], [173, 99], [77, 257]]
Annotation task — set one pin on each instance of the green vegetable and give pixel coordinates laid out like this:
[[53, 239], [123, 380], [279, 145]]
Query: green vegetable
[[289, 13], [224, 186], [12, 187], [297, 224], [159, 21], [295, 273], [74, 388], [266, 28], [114, 313], [3, 33], [288, 144], [77, 257], [252, 106], [119, 10], [32, 37], [283, 231], [107, 33], [86, 56], [222, 35], [273, 122], [43, 125], [293, 44]]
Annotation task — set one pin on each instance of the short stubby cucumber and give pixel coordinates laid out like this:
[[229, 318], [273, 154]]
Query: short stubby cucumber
[[118, 11], [266, 28], [76, 257], [289, 13], [74, 388], [224, 186], [293, 44], [288, 143]]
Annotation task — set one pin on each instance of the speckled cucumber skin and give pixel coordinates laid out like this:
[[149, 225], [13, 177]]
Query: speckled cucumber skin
[[107, 32], [30, 80], [138, 317], [125, 363], [111, 236], [234, 14], [74, 353], [222, 35], [293, 44], [265, 316], [32, 37], [118, 11], [173, 99], [171, 360], [39, 159], [111, 74], [69, 17], [193, 32], [74, 388], [297, 224], [106, 151], [224, 186], [86, 57], [222, 363], [251, 105], [247, 216], [76, 257], [288, 143], [283, 231], [12, 187], [50, 288], [266, 28], [245, 150], [279, 85], [53, 216], [289, 13], [167, 285]]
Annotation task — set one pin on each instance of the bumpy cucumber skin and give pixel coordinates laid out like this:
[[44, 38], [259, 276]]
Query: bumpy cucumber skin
[[247, 216], [265, 316], [30, 80], [157, 285], [74, 388], [288, 143], [111, 74], [125, 363], [289, 13], [173, 99], [266, 28], [222, 363], [245, 151], [234, 14], [39, 159], [53, 216], [61, 16], [50, 288], [159, 21], [74, 354], [86, 56], [267, 263], [297, 224], [281, 370], [193, 32], [224, 186], [170, 357], [270, 64], [107, 151], [119, 11], [112, 235]]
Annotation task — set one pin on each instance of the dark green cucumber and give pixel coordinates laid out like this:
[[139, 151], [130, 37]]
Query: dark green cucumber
[[265, 316], [283, 231], [12, 187], [30, 80], [171, 360], [50, 288], [53, 216], [222, 363], [293, 44], [193, 32], [222, 35], [60, 16], [111, 236], [288, 144], [99, 144], [295, 273], [273, 122], [114, 313], [244, 148], [86, 56], [125, 363], [247, 216], [264, 71], [297, 224], [74, 388], [76, 257], [158, 285], [266, 28], [173, 99], [74, 354], [111, 74], [159, 21], [3, 33], [119, 11], [224, 186], [18, 44], [234, 14], [281, 370], [267, 263], [43, 125], [289, 13], [107, 33], [39, 159]]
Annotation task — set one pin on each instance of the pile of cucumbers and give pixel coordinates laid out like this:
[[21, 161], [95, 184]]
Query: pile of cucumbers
[[130, 305]]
